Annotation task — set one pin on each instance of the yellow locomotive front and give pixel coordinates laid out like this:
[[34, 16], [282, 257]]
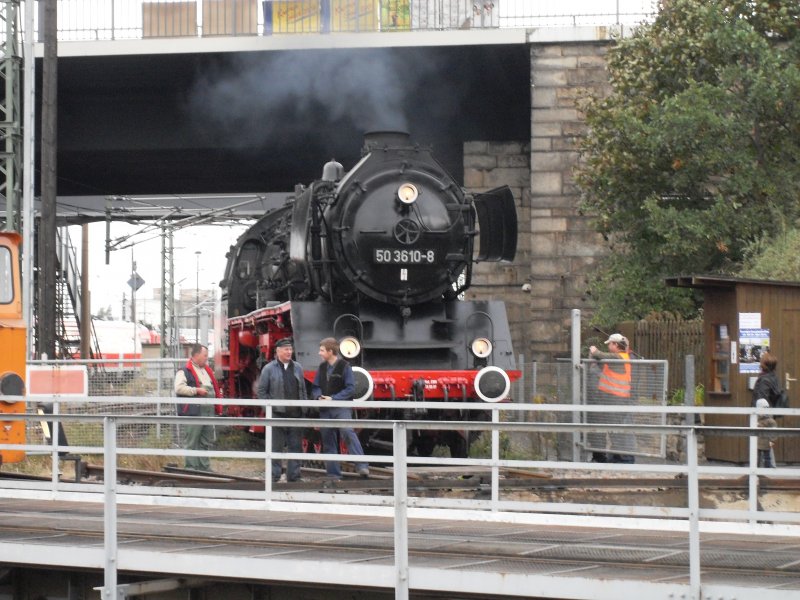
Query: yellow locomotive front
[[12, 341]]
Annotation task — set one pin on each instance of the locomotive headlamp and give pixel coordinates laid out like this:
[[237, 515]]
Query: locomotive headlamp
[[11, 384], [407, 193], [349, 347], [365, 385], [481, 347], [492, 384]]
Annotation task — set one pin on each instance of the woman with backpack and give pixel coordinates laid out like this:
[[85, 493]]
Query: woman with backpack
[[767, 385]]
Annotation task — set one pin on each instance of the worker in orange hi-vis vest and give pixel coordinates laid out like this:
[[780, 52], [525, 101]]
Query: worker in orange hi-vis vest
[[614, 387]]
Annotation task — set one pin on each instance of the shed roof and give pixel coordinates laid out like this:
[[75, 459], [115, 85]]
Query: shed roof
[[722, 281]]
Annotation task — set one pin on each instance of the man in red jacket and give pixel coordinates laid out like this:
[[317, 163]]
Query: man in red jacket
[[196, 380]]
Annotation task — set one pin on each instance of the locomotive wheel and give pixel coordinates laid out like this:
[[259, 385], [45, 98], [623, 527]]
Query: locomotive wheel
[[423, 445], [457, 444]]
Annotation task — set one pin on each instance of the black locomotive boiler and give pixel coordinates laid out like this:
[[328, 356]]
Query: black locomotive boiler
[[377, 257]]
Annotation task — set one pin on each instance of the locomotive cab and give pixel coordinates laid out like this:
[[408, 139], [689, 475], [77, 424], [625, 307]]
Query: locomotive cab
[[12, 340]]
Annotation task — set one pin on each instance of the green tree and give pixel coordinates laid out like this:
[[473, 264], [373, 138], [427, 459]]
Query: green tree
[[775, 258], [694, 155]]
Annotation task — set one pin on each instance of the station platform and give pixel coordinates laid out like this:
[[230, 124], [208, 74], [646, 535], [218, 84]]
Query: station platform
[[458, 558]]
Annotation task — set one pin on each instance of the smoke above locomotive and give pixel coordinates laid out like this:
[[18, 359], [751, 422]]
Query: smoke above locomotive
[[377, 257]]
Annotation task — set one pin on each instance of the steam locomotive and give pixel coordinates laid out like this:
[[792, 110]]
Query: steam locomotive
[[377, 257]]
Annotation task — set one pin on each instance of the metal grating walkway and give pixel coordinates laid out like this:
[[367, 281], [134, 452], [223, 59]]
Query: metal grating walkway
[[468, 558]]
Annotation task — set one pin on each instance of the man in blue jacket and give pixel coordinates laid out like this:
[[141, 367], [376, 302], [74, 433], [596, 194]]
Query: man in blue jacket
[[334, 381], [282, 379]]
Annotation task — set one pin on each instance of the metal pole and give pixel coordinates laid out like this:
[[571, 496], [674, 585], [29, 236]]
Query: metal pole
[[197, 300], [133, 302], [495, 460], [29, 160], [174, 333], [688, 393], [400, 512], [163, 349], [693, 501], [268, 454], [110, 508], [521, 386], [576, 380], [752, 478], [159, 383], [46, 258], [55, 434], [86, 307], [10, 126]]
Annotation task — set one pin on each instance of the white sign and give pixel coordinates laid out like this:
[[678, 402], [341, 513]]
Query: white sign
[[45, 381], [749, 321]]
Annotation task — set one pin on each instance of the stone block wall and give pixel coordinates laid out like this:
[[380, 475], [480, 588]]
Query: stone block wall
[[558, 247], [488, 165]]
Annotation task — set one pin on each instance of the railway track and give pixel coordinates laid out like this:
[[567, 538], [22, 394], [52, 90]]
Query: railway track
[[462, 480]]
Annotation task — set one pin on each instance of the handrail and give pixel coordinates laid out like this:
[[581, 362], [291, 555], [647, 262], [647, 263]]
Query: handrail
[[690, 519], [82, 20]]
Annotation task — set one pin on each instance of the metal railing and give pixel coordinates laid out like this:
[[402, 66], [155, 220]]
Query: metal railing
[[87, 20], [111, 384], [692, 518], [151, 380]]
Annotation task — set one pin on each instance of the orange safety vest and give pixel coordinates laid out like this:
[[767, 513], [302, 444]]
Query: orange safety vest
[[616, 383]]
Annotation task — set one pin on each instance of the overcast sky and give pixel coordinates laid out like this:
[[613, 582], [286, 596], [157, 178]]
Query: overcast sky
[[108, 283]]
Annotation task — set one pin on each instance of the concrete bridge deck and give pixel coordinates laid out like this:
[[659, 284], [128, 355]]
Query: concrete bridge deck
[[463, 558]]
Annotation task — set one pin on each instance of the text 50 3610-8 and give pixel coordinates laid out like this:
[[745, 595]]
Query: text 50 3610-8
[[389, 256]]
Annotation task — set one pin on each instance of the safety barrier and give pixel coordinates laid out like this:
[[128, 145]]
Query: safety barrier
[[88, 20], [692, 519], [151, 380]]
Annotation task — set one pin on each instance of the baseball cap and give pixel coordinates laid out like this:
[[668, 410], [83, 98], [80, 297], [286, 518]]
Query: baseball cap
[[762, 403], [287, 341], [616, 337]]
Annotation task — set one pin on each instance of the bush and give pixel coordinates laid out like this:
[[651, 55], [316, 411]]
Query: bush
[[678, 396]]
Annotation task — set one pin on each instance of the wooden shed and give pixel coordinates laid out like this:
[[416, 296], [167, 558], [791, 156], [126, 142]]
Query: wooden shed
[[741, 319]]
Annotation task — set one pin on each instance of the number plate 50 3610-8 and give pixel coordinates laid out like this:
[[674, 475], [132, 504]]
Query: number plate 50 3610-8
[[391, 256]]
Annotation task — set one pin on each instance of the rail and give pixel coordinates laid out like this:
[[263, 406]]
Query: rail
[[104, 20], [692, 519]]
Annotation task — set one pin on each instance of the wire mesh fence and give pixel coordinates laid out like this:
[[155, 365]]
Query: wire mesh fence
[[145, 379], [551, 383], [538, 384], [84, 20], [648, 380]]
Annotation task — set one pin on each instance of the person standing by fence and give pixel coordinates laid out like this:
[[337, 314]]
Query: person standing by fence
[[334, 381], [196, 380], [614, 387], [282, 379], [767, 385], [765, 443]]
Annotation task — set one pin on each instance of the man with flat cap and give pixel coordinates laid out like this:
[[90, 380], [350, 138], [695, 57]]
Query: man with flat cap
[[282, 379], [613, 387]]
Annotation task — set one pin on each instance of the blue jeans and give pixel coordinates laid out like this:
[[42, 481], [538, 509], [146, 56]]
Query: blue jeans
[[291, 438], [331, 436]]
